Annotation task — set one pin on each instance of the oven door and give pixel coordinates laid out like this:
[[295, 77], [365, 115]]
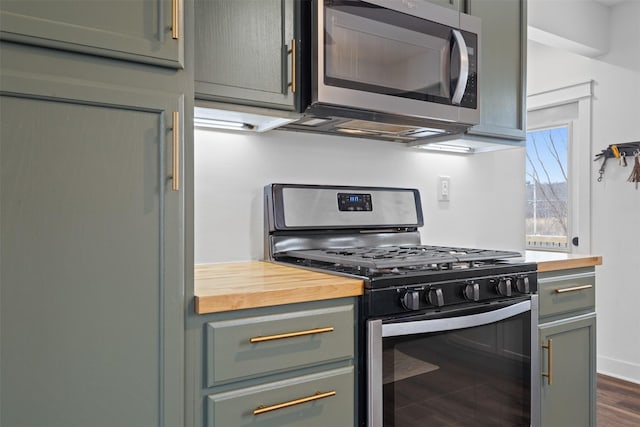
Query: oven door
[[473, 369], [395, 57]]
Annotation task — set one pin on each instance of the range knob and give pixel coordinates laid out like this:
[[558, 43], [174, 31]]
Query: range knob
[[504, 287], [435, 297], [472, 291], [522, 284], [411, 300]]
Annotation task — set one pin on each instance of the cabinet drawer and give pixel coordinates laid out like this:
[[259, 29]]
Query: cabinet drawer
[[566, 293], [281, 342], [307, 401]]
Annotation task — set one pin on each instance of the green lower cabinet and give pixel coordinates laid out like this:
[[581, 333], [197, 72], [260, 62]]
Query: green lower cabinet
[[317, 400], [567, 333], [567, 356], [288, 365]]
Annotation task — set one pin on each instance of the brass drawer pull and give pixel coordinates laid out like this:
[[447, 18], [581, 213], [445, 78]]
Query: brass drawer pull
[[175, 186], [175, 19], [549, 373], [574, 289], [293, 66], [291, 334], [262, 409]]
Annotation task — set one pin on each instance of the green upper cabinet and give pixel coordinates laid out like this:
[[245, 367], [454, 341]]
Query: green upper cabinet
[[134, 30], [502, 84], [243, 52]]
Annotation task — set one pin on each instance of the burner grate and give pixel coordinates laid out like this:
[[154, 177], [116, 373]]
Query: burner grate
[[387, 257]]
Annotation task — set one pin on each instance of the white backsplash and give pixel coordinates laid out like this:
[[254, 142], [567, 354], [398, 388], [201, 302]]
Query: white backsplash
[[486, 207]]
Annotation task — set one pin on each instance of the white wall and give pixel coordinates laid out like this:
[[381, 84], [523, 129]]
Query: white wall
[[625, 36], [615, 203], [487, 190], [589, 30]]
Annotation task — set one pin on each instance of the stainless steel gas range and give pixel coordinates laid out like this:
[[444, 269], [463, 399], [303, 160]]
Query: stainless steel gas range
[[446, 334]]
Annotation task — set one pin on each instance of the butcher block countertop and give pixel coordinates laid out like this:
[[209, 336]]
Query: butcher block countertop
[[251, 284], [553, 261]]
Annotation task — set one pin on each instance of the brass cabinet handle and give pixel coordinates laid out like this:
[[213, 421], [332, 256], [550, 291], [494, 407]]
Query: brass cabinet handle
[[293, 66], [574, 289], [319, 395], [175, 186], [175, 19], [291, 334], [549, 373]]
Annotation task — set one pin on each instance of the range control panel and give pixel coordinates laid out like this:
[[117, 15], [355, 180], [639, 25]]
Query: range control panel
[[354, 202], [438, 296]]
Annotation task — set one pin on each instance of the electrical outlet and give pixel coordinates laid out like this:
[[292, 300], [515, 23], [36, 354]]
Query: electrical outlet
[[444, 189]]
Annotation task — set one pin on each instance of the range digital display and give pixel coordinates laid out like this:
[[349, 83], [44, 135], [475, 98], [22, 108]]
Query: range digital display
[[354, 202]]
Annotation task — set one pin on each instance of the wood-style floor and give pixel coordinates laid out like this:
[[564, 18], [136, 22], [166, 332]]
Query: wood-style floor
[[618, 402]]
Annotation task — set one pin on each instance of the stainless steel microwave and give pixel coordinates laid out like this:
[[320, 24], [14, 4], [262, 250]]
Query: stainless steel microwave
[[399, 69]]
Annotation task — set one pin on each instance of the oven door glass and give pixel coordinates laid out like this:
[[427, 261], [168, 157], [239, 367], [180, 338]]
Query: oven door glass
[[470, 376], [378, 50]]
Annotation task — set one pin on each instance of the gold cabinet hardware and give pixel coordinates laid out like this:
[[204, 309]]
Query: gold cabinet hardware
[[317, 396], [175, 186], [291, 334], [175, 19], [549, 373], [292, 51], [574, 289]]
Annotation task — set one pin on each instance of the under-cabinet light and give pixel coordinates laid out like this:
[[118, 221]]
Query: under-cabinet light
[[243, 118], [221, 124], [355, 131], [446, 147]]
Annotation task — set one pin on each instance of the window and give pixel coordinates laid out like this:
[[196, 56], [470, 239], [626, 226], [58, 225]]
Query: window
[[558, 171], [547, 220]]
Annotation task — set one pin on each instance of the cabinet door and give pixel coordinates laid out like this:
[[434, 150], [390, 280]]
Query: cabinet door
[[91, 292], [502, 68], [241, 51], [568, 396], [135, 30]]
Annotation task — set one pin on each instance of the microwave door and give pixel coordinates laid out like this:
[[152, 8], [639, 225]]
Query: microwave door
[[375, 56], [459, 64]]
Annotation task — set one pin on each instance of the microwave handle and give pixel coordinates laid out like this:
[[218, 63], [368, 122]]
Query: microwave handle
[[456, 99]]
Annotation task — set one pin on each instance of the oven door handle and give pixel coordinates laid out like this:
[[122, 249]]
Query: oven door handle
[[451, 323]]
